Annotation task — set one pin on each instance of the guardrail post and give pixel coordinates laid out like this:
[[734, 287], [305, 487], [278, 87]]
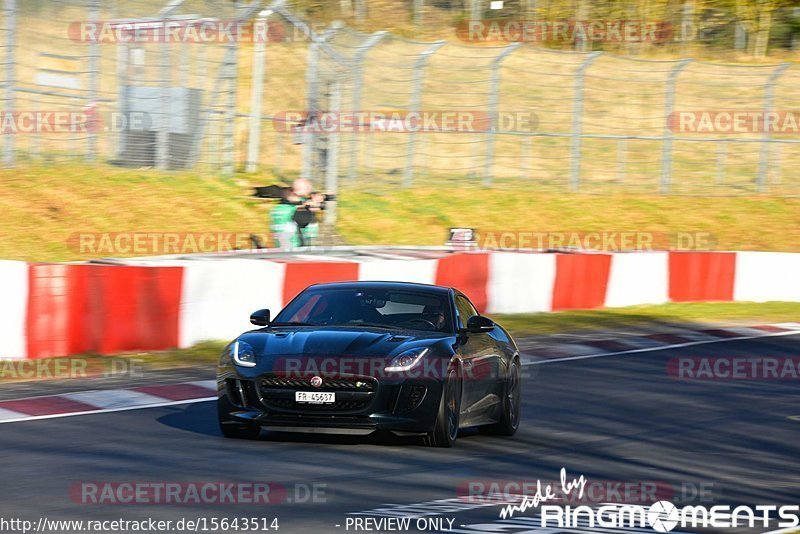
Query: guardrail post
[[416, 104], [769, 100], [94, 75], [577, 123], [358, 83], [257, 93], [10, 8], [669, 106], [494, 98]]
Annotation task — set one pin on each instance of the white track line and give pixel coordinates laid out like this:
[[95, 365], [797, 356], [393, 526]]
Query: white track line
[[664, 347], [107, 410]]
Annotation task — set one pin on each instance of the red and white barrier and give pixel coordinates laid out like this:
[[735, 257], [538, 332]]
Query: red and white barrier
[[520, 283], [58, 309], [641, 278], [13, 309]]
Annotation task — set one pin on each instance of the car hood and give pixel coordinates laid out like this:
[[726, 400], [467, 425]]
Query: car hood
[[337, 341]]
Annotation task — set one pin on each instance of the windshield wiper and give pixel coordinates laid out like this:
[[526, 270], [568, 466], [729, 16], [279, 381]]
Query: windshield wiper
[[292, 323]]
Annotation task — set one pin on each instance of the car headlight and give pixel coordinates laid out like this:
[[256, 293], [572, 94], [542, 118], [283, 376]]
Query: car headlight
[[243, 354], [406, 360]]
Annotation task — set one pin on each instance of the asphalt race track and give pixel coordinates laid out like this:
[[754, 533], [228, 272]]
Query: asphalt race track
[[620, 418]]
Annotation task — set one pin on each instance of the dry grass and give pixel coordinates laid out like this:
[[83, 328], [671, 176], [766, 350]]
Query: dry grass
[[422, 216], [41, 208]]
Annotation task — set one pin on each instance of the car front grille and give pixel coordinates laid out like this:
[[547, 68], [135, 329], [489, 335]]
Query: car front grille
[[337, 406], [328, 384], [353, 394]]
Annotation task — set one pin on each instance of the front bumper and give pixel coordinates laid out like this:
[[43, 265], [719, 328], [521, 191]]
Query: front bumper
[[363, 404]]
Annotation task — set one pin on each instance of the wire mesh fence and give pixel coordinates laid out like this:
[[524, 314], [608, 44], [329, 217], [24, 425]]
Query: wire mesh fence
[[180, 85]]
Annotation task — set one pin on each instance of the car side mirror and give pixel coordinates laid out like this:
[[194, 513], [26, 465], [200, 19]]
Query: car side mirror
[[260, 318], [478, 323]]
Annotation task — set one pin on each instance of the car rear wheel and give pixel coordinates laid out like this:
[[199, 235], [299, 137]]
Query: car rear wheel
[[231, 428], [512, 400], [445, 430]]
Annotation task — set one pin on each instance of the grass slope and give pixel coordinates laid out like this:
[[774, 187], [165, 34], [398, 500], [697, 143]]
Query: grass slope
[[42, 208]]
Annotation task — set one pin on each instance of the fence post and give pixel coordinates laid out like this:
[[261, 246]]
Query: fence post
[[769, 99], [332, 159], [722, 156], [162, 134], [419, 5], [10, 8], [577, 123], [494, 97], [669, 105], [416, 104], [94, 59], [309, 139], [257, 93], [230, 111], [475, 13], [358, 82], [526, 156], [622, 159]]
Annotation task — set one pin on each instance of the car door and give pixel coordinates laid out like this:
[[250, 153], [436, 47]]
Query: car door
[[478, 353]]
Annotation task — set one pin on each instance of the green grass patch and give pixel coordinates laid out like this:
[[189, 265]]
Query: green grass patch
[[650, 317], [42, 208]]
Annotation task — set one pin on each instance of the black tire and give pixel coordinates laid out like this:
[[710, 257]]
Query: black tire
[[445, 431], [509, 420], [234, 429]]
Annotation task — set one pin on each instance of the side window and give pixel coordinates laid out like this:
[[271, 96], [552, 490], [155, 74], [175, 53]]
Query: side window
[[465, 310]]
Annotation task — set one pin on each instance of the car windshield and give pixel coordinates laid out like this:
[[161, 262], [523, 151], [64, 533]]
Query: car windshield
[[380, 308]]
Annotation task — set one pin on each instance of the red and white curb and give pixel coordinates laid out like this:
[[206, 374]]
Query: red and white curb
[[106, 401], [618, 345]]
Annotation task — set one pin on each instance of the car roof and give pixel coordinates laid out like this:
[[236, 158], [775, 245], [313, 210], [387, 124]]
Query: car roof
[[376, 284]]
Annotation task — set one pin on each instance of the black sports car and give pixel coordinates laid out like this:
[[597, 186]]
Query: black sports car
[[356, 357]]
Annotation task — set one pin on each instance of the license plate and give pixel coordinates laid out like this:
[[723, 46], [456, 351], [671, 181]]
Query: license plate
[[315, 397]]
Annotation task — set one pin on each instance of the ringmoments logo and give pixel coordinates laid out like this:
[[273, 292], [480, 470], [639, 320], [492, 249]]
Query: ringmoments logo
[[661, 516]]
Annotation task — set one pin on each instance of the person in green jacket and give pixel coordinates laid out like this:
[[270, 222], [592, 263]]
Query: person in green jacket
[[293, 222]]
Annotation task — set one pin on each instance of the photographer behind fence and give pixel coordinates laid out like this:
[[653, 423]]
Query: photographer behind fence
[[293, 222]]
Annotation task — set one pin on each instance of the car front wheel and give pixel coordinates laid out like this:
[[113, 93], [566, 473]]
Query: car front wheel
[[445, 431], [512, 401]]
